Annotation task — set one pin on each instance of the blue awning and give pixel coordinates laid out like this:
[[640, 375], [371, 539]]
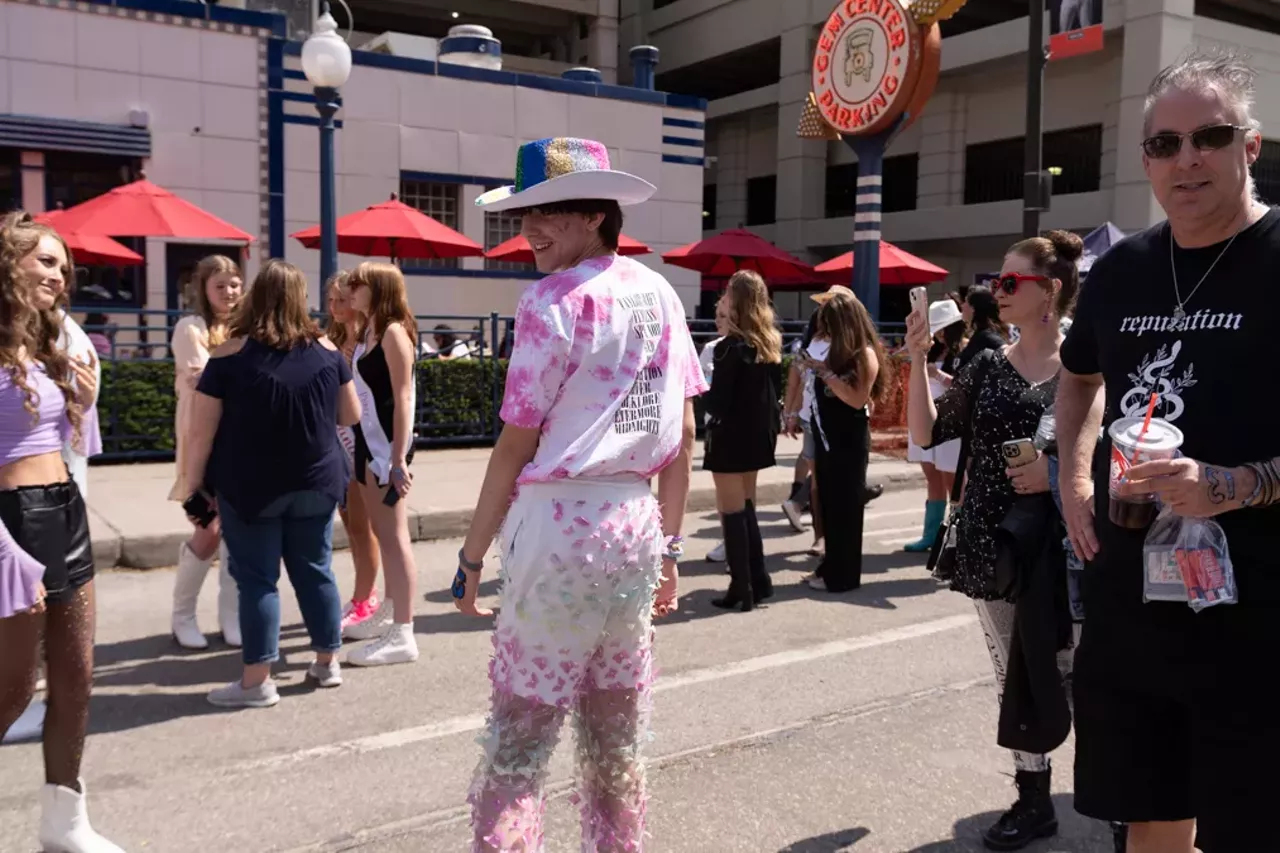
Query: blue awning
[[35, 133]]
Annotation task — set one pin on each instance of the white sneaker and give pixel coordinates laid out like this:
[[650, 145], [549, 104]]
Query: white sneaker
[[397, 645], [716, 554], [326, 674], [29, 726], [791, 510], [235, 695], [373, 627], [64, 823]]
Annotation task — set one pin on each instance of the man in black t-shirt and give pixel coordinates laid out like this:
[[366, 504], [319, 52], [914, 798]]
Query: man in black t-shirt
[[1175, 721]]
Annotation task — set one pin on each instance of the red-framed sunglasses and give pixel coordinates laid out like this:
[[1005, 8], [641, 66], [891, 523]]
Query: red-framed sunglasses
[[1010, 282]]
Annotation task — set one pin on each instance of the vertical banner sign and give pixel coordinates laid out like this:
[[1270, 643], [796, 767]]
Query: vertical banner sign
[[875, 65], [1075, 27]]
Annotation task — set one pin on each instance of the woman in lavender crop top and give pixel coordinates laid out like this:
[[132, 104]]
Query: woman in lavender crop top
[[46, 560]]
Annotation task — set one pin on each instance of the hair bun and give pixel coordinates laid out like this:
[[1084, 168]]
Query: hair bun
[[1067, 244]]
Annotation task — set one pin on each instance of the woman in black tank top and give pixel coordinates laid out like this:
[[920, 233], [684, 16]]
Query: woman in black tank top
[[385, 382]]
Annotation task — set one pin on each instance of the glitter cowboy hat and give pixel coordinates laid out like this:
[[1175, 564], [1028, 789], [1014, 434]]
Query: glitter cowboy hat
[[565, 169]]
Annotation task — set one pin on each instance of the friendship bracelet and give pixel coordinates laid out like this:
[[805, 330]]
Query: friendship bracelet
[[674, 548], [1252, 500], [467, 564]]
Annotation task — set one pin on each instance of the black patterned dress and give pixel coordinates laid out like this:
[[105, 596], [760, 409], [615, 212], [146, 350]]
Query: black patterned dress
[[989, 394]]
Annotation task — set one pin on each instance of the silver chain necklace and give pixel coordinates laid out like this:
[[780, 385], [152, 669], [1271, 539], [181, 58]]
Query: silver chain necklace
[[1179, 311]]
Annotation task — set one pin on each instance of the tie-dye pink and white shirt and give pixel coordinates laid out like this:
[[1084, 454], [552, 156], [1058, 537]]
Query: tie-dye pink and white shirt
[[603, 363]]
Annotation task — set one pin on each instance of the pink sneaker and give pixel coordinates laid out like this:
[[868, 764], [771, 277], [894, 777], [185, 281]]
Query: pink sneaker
[[358, 612]]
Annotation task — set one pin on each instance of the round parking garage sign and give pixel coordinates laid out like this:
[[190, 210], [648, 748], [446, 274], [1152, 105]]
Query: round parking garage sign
[[867, 63]]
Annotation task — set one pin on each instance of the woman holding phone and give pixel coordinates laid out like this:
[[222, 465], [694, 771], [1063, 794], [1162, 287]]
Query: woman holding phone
[[999, 397], [386, 383]]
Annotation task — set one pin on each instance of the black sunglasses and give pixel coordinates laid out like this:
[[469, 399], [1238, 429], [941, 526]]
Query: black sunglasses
[[1162, 146]]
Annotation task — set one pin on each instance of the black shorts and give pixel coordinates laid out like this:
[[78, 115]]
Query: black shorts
[[51, 524], [1175, 720]]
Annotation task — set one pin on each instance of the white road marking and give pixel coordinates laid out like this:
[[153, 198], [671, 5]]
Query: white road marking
[[475, 722]]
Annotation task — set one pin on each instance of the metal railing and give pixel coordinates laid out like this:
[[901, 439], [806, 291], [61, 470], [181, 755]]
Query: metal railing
[[458, 402]]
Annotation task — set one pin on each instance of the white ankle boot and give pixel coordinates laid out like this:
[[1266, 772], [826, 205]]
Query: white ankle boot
[[64, 823], [228, 600], [186, 594]]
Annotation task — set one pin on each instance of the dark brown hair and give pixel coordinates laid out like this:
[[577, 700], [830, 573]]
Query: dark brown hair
[[1055, 255], [986, 311], [844, 321], [26, 330], [388, 299], [610, 229], [205, 270], [275, 312]]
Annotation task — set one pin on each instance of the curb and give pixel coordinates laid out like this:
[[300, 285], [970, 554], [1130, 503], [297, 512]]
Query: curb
[[160, 551]]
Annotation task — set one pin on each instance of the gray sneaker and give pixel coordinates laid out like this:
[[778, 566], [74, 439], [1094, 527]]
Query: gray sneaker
[[326, 674], [234, 696]]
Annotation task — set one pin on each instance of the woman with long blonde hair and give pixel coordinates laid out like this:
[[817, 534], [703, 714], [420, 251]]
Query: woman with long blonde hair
[[743, 421], [47, 595], [847, 377], [386, 382], [344, 331], [216, 290]]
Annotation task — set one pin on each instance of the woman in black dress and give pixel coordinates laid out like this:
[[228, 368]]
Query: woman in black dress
[[845, 381], [986, 330], [998, 396], [743, 421]]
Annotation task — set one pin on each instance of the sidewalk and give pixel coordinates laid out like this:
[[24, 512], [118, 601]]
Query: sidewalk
[[133, 525]]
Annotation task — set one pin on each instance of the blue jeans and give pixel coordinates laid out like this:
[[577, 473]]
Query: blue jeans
[[298, 529]]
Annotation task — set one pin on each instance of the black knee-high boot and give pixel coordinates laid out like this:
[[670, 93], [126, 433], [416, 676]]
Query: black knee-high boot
[[761, 583], [737, 552]]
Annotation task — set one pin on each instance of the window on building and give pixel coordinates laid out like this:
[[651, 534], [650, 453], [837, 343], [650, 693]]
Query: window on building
[[658, 4], [498, 229], [762, 200], [708, 206], [72, 177], [440, 202], [993, 171], [1266, 172], [986, 13], [842, 190], [10, 180], [901, 177], [744, 70], [1074, 157]]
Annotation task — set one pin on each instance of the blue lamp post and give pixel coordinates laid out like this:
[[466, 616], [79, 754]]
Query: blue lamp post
[[326, 60]]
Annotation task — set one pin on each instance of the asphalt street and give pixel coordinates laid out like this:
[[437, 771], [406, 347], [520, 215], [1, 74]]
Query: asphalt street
[[861, 722]]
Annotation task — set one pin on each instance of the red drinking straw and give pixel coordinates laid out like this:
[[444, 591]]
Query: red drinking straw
[[1146, 424]]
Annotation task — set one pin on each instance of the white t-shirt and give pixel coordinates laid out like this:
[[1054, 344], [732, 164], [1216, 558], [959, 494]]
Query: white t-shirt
[[817, 351], [603, 363], [708, 361]]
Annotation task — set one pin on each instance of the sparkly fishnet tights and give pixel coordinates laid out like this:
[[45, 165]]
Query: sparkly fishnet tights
[[67, 633], [507, 798]]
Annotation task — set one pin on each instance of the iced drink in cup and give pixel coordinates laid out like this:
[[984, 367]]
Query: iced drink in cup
[[1130, 445]]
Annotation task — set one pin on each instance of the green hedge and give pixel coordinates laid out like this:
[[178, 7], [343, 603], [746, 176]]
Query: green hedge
[[135, 407]]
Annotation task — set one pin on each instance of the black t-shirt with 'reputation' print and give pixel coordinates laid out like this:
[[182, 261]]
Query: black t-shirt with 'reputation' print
[[1214, 370]]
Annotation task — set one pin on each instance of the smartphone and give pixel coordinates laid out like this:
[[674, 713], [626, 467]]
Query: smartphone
[[392, 497], [919, 301], [198, 507], [1019, 452]]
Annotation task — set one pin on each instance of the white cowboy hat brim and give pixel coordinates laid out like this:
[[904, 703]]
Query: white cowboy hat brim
[[621, 187]]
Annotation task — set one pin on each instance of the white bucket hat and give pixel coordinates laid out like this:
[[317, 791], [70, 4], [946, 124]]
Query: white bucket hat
[[565, 169], [943, 313]]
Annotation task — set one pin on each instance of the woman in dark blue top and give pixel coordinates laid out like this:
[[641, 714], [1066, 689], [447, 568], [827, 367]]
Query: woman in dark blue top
[[263, 441]]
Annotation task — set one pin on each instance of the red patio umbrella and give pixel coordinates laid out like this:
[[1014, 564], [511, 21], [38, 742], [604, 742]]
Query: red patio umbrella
[[897, 267], [516, 250], [393, 229], [142, 209], [725, 253], [91, 249]]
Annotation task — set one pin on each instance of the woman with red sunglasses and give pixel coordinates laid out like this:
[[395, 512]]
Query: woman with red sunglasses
[[1000, 396]]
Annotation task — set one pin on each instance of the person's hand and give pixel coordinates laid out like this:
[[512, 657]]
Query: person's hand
[[86, 380], [667, 601], [1077, 512], [919, 340], [1032, 478], [401, 478], [791, 426], [1191, 489], [467, 604]]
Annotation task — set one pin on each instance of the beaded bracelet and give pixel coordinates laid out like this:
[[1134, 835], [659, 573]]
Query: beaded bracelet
[[674, 548]]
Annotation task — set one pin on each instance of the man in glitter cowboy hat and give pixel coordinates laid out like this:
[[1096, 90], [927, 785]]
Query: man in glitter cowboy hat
[[598, 400]]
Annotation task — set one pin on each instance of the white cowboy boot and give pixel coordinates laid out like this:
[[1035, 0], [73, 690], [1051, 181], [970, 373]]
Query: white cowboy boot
[[186, 594], [228, 600], [64, 823]]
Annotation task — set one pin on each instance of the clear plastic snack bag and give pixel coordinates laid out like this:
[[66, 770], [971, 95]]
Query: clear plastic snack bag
[[1187, 559], [1205, 561]]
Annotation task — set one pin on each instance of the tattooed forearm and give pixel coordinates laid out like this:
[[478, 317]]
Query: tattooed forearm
[[1222, 485]]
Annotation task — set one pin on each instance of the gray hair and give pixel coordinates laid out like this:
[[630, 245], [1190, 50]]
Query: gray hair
[[1222, 70]]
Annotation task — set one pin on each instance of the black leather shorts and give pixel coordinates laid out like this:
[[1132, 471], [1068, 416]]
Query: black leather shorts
[[51, 524]]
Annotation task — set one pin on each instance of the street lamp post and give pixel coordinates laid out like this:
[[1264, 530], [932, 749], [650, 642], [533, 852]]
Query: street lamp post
[[326, 60]]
